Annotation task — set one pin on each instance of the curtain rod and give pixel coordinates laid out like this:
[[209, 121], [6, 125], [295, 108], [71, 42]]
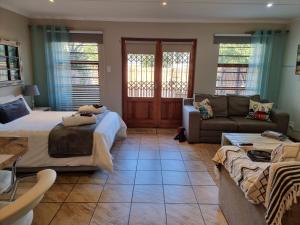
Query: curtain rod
[[85, 32], [232, 35]]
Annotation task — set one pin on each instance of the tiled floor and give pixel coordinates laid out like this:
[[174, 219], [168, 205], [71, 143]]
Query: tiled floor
[[156, 181]]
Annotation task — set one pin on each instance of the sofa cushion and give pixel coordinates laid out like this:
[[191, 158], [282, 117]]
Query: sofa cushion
[[219, 123], [219, 105], [239, 105], [253, 126]]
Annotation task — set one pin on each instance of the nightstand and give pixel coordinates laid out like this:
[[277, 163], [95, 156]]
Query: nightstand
[[42, 109]]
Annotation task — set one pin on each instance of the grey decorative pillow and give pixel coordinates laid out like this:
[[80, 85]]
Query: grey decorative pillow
[[12, 110]]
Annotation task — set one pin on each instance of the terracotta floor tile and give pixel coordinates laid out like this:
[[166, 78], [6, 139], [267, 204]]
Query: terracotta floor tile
[[44, 213], [116, 193], [148, 164], [213, 215], [148, 161], [207, 194], [184, 214], [146, 214], [85, 193], [195, 166], [175, 177], [127, 155], [148, 177], [149, 154], [58, 193], [167, 147], [111, 214], [148, 194], [130, 147], [66, 179], [175, 165], [121, 177], [201, 178], [74, 213], [125, 164], [149, 147], [179, 194], [170, 155], [97, 177], [190, 155]]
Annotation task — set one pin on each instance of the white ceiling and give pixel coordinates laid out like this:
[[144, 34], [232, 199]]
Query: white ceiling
[[152, 10]]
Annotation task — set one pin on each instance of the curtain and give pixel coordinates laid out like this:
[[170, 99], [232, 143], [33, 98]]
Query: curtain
[[265, 66], [52, 67]]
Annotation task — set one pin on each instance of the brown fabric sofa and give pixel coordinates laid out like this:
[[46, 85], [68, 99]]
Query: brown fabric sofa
[[229, 116]]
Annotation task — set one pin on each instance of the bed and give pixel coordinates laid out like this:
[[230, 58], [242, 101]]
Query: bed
[[37, 126]]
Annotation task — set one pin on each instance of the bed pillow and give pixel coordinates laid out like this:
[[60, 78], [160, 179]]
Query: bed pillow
[[11, 111], [25, 102], [259, 110], [11, 98], [286, 152], [205, 109]]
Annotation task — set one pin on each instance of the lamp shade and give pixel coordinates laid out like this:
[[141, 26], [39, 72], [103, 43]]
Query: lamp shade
[[31, 90]]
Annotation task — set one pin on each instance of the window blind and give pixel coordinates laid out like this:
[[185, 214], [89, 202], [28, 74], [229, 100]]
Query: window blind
[[232, 38], [85, 73], [232, 70]]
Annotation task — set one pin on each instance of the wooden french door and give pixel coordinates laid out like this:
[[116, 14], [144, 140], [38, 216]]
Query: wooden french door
[[157, 74]]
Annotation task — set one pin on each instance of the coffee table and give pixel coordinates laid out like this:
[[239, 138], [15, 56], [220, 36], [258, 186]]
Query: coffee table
[[259, 142]]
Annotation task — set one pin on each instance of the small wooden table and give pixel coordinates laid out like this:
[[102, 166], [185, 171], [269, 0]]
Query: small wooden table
[[259, 142], [11, 149]]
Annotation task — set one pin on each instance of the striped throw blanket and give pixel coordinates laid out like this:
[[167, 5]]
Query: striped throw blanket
[[251, 177], [282, 190]]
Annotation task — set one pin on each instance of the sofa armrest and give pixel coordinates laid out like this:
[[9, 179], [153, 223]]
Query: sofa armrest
[[188, 101], [282, 120], [191, 122]]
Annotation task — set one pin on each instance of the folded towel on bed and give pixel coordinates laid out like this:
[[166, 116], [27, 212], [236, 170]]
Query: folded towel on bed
[[96, 109], [79, 119]]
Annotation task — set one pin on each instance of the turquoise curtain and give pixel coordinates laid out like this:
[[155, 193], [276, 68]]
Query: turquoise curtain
[[52, 66], [265, 67]]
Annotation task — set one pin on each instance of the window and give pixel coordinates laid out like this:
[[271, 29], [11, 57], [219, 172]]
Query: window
[[140, 75], [84, 73], [232, 68], [9, 62], [175, 74]]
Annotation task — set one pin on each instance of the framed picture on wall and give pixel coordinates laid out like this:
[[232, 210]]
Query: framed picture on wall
[[298, 61]]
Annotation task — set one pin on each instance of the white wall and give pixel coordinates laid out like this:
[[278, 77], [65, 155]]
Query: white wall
[[15, 27], [207, 52], [289, 99]]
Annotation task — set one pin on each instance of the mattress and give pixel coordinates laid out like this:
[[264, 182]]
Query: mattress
[[37, 126]]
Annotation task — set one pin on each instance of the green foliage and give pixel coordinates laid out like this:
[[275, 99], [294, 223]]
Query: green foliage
[[83, 51], [234, 53]]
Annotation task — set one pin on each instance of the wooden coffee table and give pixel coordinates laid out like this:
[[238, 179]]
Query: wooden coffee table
[[259, 142]]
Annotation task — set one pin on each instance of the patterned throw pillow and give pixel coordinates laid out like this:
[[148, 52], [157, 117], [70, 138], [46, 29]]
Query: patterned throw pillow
[[286, 152], [204, 108], [259, 110]]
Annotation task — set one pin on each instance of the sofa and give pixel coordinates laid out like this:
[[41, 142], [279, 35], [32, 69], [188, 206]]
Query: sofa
[[239, 211], [229, 116]]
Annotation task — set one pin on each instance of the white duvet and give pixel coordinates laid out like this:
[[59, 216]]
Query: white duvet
[[37, 126]]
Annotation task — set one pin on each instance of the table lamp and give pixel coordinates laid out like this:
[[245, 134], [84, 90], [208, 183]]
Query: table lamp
[[31, 90]]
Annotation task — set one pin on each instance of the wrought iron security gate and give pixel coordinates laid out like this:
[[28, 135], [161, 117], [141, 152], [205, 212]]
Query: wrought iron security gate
[[157, 74]]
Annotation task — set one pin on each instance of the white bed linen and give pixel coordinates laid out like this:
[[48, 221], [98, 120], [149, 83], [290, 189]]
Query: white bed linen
[[37, 126]]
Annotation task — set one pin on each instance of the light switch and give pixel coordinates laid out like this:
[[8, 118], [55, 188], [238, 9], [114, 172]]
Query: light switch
[[108, 69]]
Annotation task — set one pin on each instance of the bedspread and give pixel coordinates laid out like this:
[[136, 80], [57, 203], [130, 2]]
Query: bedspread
[[37, 126]]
